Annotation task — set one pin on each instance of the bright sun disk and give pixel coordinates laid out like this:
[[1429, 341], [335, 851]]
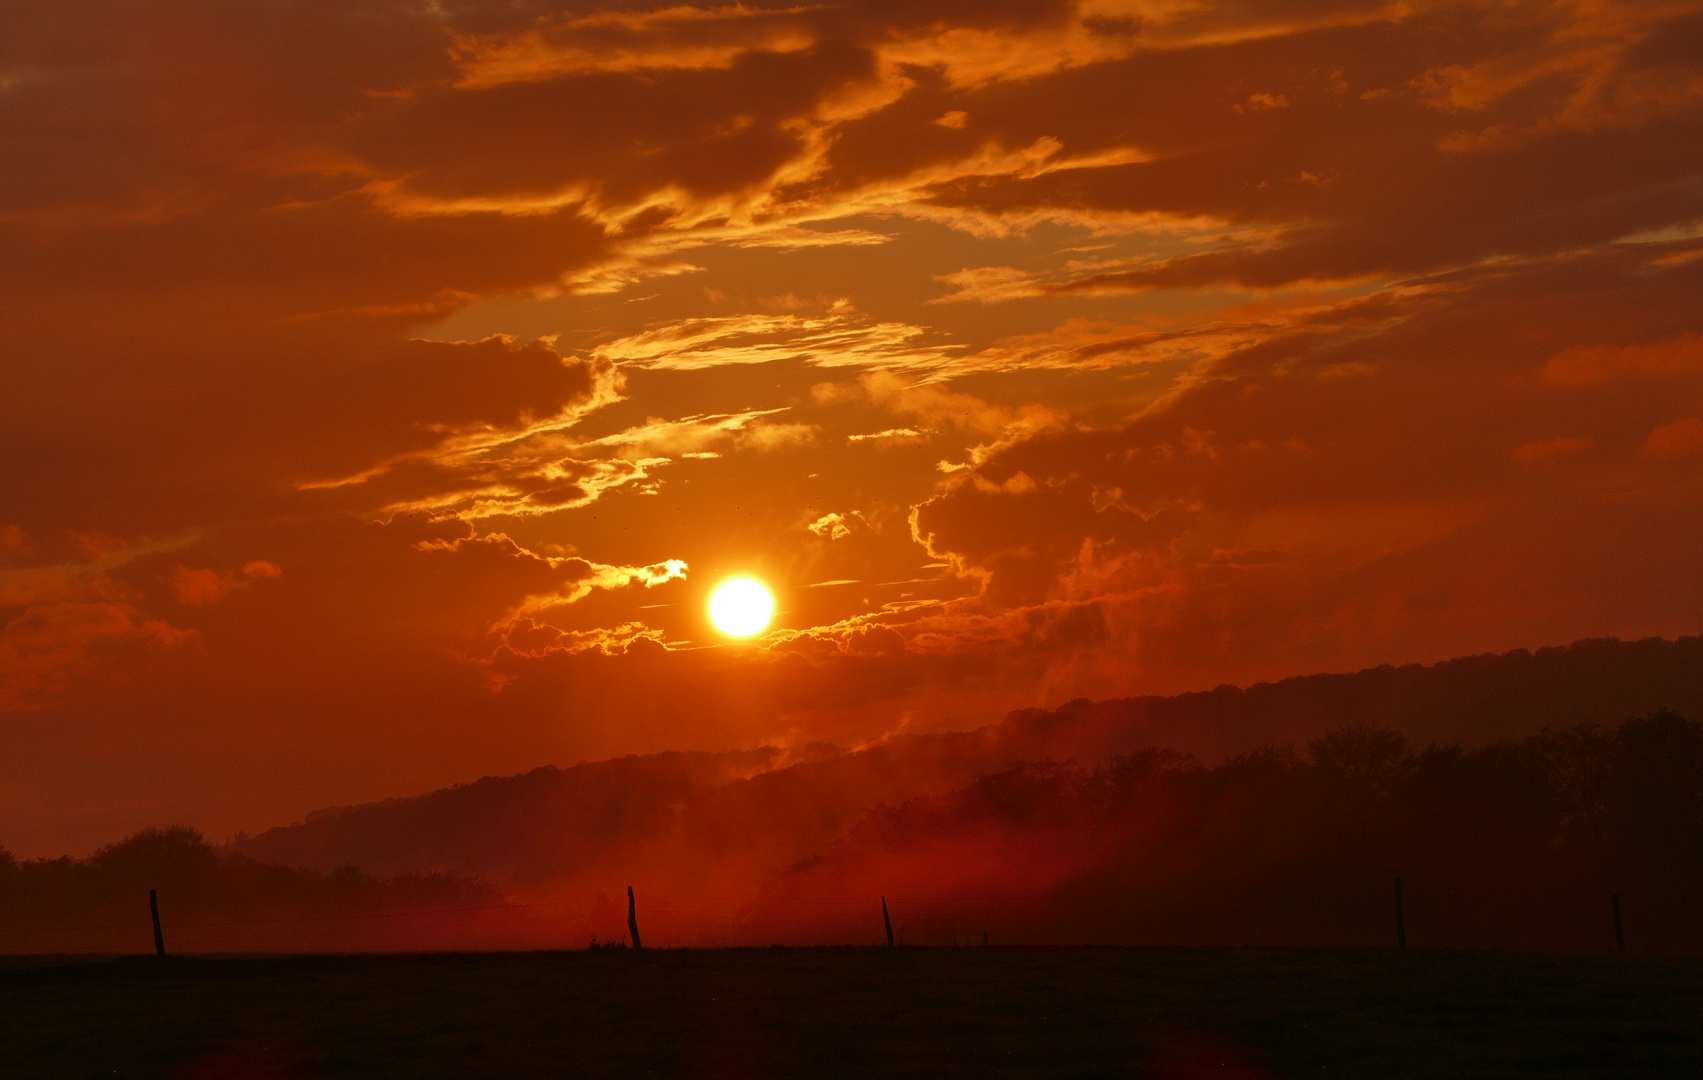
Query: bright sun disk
[[741, 607]]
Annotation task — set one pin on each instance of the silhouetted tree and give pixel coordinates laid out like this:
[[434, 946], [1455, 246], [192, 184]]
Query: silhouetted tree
[[1656, 795], [1503, 845], [108, 890]]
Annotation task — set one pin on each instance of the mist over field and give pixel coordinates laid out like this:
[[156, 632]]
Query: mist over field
[[1513, 794]]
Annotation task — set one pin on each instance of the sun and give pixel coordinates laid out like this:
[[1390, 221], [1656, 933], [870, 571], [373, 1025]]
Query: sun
[[741, 606]]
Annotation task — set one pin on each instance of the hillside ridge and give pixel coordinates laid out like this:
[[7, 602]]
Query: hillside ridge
[[767, 807]]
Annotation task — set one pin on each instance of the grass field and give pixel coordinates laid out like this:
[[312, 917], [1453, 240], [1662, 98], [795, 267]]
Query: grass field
[[828, 1012]]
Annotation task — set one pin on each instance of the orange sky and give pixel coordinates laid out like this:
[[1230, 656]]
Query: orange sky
[[384, 384]]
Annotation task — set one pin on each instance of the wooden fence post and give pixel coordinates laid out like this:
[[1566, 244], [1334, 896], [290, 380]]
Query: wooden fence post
[[1619, 934], [1401, 920], [633, 919], [888, 919], [154, 909]]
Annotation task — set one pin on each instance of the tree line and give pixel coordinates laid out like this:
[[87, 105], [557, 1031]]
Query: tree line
[[1517, 844]]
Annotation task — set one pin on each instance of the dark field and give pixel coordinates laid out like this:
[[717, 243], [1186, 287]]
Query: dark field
[[998, 1012]]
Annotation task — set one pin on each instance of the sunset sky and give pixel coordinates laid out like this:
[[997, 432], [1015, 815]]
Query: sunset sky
[[385, 385]]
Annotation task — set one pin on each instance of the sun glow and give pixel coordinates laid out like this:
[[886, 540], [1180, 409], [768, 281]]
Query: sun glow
[[741, 607]]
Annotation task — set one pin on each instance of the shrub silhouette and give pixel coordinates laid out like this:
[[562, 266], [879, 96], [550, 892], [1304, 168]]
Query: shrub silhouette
[[224, 894]]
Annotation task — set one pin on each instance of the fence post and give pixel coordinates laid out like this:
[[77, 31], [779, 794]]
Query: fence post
[[888, 920], [154, 909], [633, 919], [1401, 920], [1619, 934]]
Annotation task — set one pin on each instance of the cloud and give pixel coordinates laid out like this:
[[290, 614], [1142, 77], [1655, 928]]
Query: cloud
[[670, 38], [1262, 100], [474, 429], [1339, 225], [42, 647], [1548, 450], [904, 394], [1601, 58], [889, 437], [581, 577], [199, 587], [1582, 365], [1236, 498], [988, 285], [657, 440], [52, 640], [834, 526], [1682, 438], [524, 637], [841, 337]]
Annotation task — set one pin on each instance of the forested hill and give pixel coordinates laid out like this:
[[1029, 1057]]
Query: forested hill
[[745, 813], [1472, 701]]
